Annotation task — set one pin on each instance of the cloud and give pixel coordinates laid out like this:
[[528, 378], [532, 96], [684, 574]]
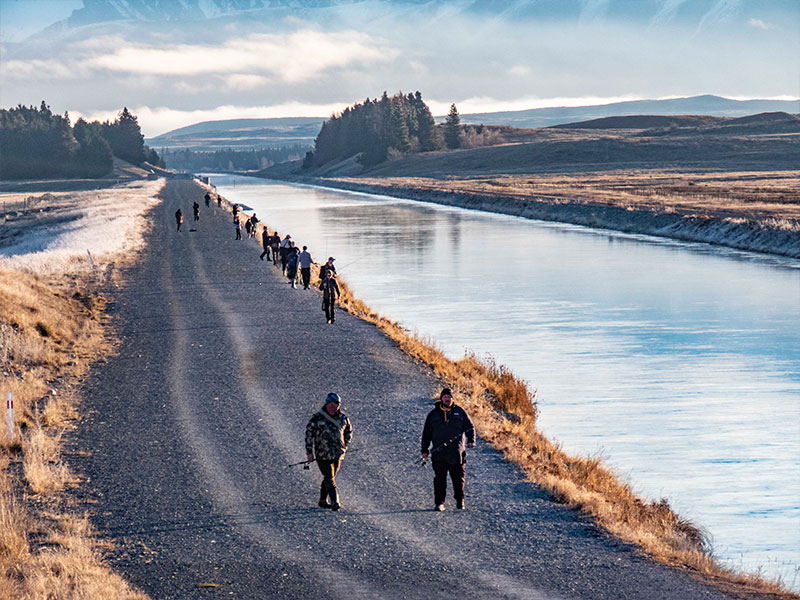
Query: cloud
[[245, 81], [157, 120], [519, 71], [293, 58], [759, 24]]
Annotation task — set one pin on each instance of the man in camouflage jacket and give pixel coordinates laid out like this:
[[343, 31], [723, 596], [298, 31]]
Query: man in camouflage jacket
[[328, 434]]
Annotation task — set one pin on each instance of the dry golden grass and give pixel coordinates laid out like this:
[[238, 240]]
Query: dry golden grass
[[758, 196], [47, 333]]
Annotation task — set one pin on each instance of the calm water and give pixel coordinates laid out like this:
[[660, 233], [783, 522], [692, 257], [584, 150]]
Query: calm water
[[678, 363]]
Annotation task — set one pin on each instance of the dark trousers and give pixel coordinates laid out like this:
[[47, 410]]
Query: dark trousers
[[328, 468], [305, 273], [238, 234], [457, 475], [265, 253], [329, 307]]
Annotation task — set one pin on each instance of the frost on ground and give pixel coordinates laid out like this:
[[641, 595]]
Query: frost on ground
[[58, 234]]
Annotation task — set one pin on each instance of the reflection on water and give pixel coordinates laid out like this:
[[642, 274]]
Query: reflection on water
[[680, 363]]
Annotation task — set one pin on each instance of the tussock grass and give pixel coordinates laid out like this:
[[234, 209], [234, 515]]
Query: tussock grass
[[48, 335]]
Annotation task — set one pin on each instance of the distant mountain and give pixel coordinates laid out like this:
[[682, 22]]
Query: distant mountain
[[695, 105], [241, 134], [697, 12]]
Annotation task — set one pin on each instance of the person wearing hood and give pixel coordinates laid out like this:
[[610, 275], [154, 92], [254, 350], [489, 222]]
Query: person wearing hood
[[449, 429], [328, 434]]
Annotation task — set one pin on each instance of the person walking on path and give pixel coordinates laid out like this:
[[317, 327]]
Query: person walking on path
[[446, 427], [196, 210], [238, 224], [247, 226], [305, 266], [179, 218], [286, 243], [292, 260], [275, 244], [219, 201], [330, 292], [266, 241], [253, 224], [328, 266], [208, 199], [328, 434]]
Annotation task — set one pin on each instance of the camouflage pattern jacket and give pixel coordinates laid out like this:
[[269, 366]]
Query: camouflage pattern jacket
[[327, 437]]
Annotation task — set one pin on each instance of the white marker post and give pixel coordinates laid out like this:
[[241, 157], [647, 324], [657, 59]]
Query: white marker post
[[91, 260], [10, 406]]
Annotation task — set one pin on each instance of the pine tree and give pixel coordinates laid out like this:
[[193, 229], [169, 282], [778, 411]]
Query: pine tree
[[452, 128]]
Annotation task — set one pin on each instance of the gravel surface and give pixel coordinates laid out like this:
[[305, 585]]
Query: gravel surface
[[192, 424]]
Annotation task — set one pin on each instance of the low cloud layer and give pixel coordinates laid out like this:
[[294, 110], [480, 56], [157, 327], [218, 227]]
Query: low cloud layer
[[315, 61]]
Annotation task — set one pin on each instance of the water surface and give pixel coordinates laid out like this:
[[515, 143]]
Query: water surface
[[679, 363]]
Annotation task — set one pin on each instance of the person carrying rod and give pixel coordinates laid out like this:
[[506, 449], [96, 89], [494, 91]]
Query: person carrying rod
[[328, 434], [447, 426]]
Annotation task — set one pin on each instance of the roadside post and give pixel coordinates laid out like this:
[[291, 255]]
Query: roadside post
[[91, 260], [10, 406]]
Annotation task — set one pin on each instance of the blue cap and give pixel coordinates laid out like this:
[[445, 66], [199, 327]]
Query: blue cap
[[332, 398]]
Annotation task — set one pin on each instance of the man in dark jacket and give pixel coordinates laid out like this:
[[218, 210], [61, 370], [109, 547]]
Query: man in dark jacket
[[266, 241], [330, 291], [446, 428], [328, 434]]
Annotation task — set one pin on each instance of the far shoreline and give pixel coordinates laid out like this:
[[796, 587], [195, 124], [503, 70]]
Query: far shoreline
[[739, 234]]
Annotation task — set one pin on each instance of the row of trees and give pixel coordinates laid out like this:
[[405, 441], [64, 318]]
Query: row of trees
[[35, 143], [390, 127], [230, 160], [377, 129]]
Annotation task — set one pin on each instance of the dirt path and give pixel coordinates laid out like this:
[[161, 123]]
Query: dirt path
[[193, 423]]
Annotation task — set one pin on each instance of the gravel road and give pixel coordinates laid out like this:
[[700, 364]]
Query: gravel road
[[192, 424]]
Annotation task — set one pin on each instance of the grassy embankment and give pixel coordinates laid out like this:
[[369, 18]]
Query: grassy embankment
[[51, 330], [49, 335], [504, 411]]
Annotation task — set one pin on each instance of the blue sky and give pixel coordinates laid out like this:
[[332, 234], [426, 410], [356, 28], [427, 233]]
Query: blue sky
[[179, 62]]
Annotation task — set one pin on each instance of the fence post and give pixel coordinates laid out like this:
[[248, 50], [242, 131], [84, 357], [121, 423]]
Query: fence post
[[10, 406]]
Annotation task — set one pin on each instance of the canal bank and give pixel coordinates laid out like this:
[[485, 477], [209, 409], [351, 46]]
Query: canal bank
[[773, 236], [646, 350]]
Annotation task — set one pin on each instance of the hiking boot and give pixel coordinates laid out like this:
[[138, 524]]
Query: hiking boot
[[335, 500], [439, 508], [460, 504], [323, 499], [336, 506]]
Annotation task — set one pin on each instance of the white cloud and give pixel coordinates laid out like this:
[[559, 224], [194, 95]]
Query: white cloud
[[293, 58], [759, 24], [519, 71], [158, 120], [246, 81]]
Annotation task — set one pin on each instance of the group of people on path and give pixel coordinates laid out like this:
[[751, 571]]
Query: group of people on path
[[446, 435], [195, 210]]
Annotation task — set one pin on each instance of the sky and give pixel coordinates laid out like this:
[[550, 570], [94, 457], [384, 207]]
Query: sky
[[178, 62]]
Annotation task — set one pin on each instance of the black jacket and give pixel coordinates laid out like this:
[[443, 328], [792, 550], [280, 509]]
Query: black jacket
[[445, 431]]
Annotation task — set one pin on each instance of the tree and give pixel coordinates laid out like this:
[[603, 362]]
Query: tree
[[452, 128], [125, 137]]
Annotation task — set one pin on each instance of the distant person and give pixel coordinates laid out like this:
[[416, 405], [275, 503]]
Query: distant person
[[275, 244], [219, 200], [238, 224], [248, 226], [266, 241], [286, 243], [330, 292], [253, 225], [179, 218], [292, 260], [446, 427], [328, 434], [328, 266], [305, 266], [196, 210], [208, 199], [235, 210]]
